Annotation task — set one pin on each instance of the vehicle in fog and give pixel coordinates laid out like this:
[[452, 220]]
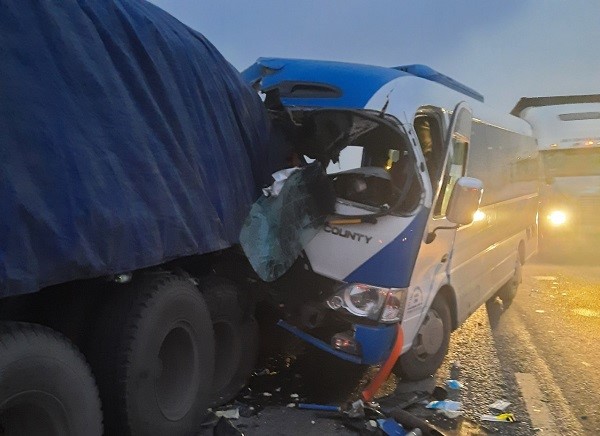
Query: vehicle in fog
[[567, 129], [407, 150]]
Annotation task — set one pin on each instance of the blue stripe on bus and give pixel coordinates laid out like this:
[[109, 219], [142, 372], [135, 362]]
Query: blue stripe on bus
[[392, 266]]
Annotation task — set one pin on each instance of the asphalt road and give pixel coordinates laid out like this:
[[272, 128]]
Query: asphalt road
[[540, 354], [558, 314]]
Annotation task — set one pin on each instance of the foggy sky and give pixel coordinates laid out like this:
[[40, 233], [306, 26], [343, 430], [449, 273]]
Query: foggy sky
[[504, 49]]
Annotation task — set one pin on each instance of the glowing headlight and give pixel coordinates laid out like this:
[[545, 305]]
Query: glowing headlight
[[557, 217], [379, 304], [479, 216]]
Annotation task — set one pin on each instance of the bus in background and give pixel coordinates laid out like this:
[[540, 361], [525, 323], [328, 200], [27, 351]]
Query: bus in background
[[567, 129]]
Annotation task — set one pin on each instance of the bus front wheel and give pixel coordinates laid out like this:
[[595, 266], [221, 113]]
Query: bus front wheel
[[430, 344]]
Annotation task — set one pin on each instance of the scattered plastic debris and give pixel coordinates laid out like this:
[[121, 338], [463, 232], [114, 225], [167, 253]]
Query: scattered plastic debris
[[265, 371], [371, 425], [294, 396], [267, 394], [503, 417], [229, 413], [280, 177], [452, 414], [500, 405], [355, 409], [449, 408], [390, 427], [312, 422], [278, 390], [540, 311], [290, 405], [454, 384], [324, 407], [545, 278], [408, 420], [450, 405]]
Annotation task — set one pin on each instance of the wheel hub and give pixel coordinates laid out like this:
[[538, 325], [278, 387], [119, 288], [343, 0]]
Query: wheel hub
[[176, 375], [430, 335], [34, 412]]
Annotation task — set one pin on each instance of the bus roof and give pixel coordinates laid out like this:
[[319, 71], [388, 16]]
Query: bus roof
[[313, 83]]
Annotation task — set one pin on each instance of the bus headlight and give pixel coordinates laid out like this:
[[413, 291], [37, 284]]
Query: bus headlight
[[557, 218], [385, 305]]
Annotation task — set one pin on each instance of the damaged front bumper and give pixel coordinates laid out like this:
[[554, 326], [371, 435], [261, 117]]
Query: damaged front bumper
[[372, 343]]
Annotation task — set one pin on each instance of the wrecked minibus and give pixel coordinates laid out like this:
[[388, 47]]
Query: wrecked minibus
[[435, 206], [567, 129]]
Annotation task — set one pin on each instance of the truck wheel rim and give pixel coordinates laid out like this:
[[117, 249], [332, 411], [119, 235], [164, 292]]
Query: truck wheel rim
[[34, 412], [177, 375]]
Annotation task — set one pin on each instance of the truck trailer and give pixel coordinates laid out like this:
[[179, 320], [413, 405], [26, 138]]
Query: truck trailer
[[131, 152]]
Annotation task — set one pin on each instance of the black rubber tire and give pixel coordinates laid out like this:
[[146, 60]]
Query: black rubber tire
[[417, 363], [508, 291], [236, 337], [153, 354], [46, 386]]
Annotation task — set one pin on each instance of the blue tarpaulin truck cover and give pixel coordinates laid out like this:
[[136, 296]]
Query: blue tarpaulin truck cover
[[126, 140]]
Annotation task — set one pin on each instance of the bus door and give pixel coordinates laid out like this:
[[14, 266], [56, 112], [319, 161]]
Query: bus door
[[432, 266]]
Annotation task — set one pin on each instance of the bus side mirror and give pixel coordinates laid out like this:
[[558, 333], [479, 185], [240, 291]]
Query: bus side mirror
[[464, 201]]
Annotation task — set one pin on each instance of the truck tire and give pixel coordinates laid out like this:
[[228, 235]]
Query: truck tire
[[153, 354], [236, 338], [430, 344], [46, 387]]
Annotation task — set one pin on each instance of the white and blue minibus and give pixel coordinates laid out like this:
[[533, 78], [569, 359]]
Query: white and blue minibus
[[414, 247]]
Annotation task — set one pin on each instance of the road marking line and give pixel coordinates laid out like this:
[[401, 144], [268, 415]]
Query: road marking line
[[536, 408], [517, 332]]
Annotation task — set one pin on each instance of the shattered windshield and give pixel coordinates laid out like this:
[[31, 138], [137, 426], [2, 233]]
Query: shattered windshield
[[574, 162], [367, 155]]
